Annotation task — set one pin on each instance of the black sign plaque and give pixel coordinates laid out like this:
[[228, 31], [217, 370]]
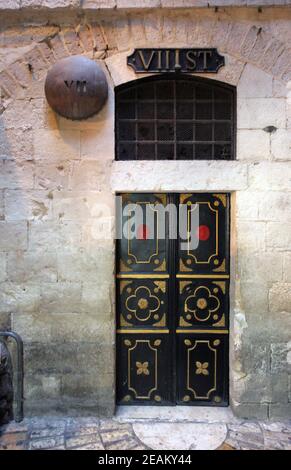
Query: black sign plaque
[[147, 60]]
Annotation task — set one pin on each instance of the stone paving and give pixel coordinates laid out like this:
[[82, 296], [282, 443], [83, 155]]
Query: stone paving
[[166, 433]]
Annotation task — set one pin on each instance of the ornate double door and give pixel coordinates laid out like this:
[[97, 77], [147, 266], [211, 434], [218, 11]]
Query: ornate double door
[[173, 299]]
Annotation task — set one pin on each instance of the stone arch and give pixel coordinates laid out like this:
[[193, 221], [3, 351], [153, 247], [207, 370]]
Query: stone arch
[[242, 39]]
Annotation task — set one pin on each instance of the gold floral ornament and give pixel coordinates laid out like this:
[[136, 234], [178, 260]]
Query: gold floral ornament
[[202, 368], [142, 368]]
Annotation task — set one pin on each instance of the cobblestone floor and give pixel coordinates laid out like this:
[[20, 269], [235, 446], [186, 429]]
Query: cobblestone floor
[[111, 434]]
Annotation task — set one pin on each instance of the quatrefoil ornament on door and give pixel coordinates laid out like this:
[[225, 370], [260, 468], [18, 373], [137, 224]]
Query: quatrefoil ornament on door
[[201, 304], [142, 303]]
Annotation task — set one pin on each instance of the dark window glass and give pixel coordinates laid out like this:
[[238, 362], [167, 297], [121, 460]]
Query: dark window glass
[[145, 110], [146, 131], [177, 117]]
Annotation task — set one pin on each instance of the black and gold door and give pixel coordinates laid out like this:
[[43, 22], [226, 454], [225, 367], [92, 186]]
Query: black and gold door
[[172, 299]]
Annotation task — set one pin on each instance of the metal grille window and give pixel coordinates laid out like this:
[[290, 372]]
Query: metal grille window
[[175, 118]]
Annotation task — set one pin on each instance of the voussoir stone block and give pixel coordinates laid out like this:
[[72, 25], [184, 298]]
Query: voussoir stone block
[[261, 87]]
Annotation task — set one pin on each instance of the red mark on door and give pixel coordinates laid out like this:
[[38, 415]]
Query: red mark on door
[[203, 232], [143, 232]]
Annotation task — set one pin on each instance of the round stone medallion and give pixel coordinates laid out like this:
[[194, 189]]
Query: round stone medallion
[[76, 87]]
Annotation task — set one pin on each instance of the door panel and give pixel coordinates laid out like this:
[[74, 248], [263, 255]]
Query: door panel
[[142, 251], [203, 303], [202, 360], [173, 301], [142, 302], [211, 234], [144, 374], [145, 350]]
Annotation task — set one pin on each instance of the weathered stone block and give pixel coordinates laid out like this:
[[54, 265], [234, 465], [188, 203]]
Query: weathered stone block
[[60, 297], [2, 208], [31, 205], [282, 62], [250, 410], [280, 297], [31, 267], [16, 145], [54, 236], [178, 175], [89, 175], [260, 267], [96, 266], [52, 175], [246, 205], [279, 327], [98, 4], [13, 236], [278, 236], [271, 54], [254, 297], [43, 115], [87, 385], [280, 411], [80, 205], [19, 298], [270, 176], [72, 41], [67, 358], [14, 175], [98, 143], [3, 257], [63, 327], [96, 299], [279, 387], [41, 387], [5, 321], [287, 267], [119, 72], [279, 89], [261, 87], [229, 74], [257, 113], [253, 145], [281, 145], [251, 236], [56, 146], [274, 205], [58, 47], [19, 115]]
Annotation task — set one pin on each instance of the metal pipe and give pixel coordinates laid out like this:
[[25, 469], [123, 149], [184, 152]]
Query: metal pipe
[[19, 373]]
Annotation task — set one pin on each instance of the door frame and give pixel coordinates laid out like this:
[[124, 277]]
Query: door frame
[[173, 285]]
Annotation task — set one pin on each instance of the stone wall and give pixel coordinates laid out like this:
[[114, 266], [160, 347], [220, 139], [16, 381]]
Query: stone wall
[[57, 279]]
